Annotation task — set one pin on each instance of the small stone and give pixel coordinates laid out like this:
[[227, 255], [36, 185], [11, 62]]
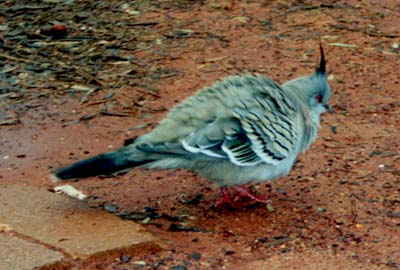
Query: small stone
[[125, 258], [354, 183], [110, 208], [180, 33], [374, 153], [125, 7], [269, 207], [186, 262], [339, 221], [146, 220], [229, 252], [23, 75], [5, 228], [352, 254], [387, 185], [321, 209], [243, 19], [195, 256], [108, 95], [70, 191], [331, 77], [178, 267], [81, 88], [58, 30], [132, 12], [4, 27], [393, 214], [139, 263]]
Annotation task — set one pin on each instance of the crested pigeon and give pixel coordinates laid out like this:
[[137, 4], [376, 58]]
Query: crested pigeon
[[243, 128]]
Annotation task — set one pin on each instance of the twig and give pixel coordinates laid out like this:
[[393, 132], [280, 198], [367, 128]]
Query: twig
[[88, 76], [108, 113], [148, 23], [15, 58]]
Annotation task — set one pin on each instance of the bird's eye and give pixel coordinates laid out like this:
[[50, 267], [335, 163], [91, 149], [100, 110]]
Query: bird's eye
[[319, 98]]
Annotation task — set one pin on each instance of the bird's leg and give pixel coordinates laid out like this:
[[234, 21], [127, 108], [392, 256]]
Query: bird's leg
[[237, 201], [254, 198], [225, 197]]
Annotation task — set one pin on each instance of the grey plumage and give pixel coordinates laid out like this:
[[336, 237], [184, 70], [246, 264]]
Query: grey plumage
[[242, 128]]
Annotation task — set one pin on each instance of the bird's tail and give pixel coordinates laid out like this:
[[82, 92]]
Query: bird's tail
[[103, 164]]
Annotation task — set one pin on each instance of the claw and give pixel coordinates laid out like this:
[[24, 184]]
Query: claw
[[254, 198], [242, 198]]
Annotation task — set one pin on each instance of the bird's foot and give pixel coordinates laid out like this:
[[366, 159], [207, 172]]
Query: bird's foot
[[242, 199], [243, 193], [225, 198]]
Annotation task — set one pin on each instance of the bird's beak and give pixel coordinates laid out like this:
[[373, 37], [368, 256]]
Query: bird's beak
[[328, 108]]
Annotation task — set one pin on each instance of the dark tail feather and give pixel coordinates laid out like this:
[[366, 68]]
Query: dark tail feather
[[103, 164]]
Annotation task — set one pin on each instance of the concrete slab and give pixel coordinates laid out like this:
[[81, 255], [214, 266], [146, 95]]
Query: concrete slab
[[69, 224], [310, 260], [18, 254]]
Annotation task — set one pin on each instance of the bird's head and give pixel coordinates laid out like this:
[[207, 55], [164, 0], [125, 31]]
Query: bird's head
[[312, 89]]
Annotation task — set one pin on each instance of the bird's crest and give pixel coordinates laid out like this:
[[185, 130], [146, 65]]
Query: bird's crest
[[322, 64]]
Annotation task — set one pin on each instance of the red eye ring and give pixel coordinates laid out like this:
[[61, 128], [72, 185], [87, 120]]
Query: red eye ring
[[319, 98]]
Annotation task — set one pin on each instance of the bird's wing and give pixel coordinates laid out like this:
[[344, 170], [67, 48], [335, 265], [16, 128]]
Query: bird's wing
[[223, 139], [272, 135], [248, 139], [258, 128]]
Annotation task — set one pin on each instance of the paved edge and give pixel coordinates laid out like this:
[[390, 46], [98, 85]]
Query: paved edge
[[19, 253], [41, 223]]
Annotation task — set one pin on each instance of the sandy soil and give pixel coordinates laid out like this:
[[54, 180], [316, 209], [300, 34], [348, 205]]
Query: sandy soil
[[343, 195]]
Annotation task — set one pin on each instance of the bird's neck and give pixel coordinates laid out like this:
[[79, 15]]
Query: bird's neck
[[311, 124]]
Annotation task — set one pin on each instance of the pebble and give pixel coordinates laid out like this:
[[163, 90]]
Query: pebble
[[139, 263], [195, 256], [23, 75], [270, 208], [243, 19], [70, 191], [393, 214], [146, 220], [387, 185], [111, 208], [178, 267], [125, 259]]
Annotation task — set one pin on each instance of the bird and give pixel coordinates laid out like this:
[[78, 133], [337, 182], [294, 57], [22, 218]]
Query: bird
[[242, 129]]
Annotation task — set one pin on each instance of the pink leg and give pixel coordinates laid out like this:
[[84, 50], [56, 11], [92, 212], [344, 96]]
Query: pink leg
[[225, 197], [254, 198], [237, 201]]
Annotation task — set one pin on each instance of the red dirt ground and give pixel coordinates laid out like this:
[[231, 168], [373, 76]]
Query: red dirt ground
[[342, 197]]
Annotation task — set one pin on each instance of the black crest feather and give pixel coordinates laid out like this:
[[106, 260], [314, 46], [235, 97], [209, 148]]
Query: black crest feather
[[322, 64]]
